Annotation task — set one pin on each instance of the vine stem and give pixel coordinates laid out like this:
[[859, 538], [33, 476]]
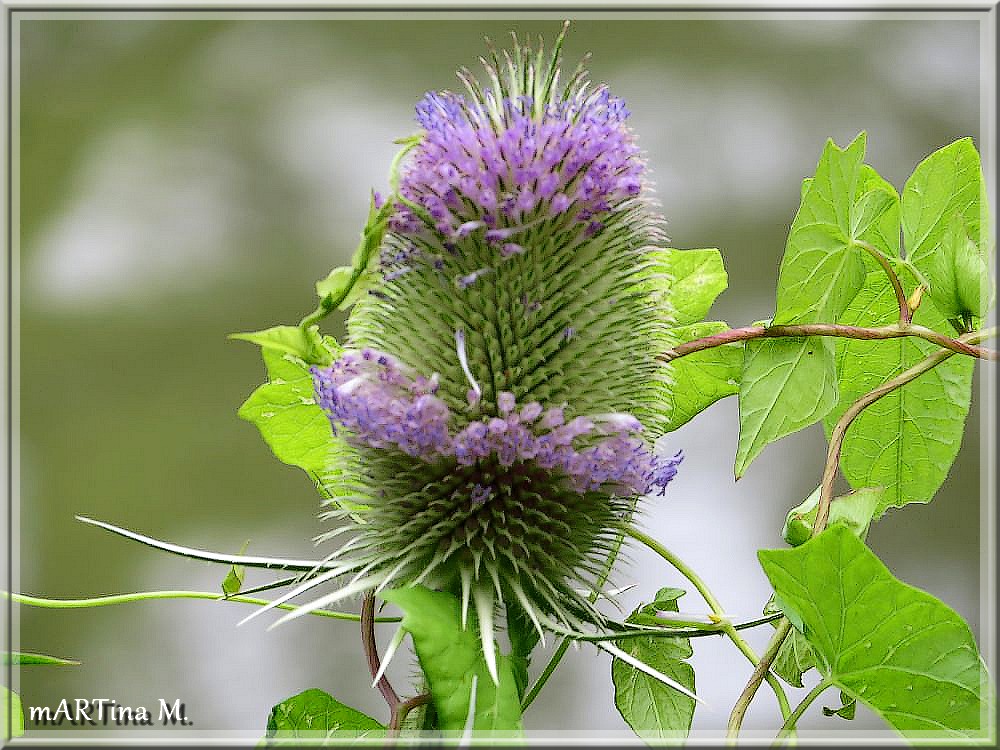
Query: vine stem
[[371, 651], [717, 610], [826, 496], [812, 695], [103, 601], [960, 345], [905, 312], [402, 710], [839, 431]]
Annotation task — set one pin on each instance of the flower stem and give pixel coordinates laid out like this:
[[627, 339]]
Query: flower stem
[[812, 695], [103, 601], [718, 611], [760, 670], [905, 313], [546, 673]]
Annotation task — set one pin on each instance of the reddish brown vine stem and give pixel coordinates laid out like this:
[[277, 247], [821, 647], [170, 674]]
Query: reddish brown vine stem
[[371, 650], [895, 331], [402, 710]]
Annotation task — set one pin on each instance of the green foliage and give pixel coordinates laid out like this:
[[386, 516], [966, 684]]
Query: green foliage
[[23, 659], [8, 698], [523, 638], [285, 411], [855, 509], [450, 657], [702, 378], [653, 710], [906, 441], [305, 344], [845, 203], [794, 657], [344, 285], [233, 581], [946, 229], [787, 384], [846, 710], [314, 717], [899, 650], [694, 279], [946, 184], [686, 284]]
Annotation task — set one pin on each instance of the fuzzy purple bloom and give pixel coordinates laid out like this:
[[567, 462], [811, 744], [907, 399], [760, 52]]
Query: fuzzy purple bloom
[[382, 405], [506, 165]]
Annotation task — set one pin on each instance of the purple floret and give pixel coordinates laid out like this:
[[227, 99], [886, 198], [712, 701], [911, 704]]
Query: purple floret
[[381, 405], [508, 165]]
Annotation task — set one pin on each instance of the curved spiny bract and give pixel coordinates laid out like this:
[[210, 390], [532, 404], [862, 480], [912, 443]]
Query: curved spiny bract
[[498, 400]]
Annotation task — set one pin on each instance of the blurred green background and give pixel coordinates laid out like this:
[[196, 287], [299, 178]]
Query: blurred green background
[[182, 179]]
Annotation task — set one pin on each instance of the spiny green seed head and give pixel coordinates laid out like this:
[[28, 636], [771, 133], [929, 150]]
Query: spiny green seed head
[[498, 400]]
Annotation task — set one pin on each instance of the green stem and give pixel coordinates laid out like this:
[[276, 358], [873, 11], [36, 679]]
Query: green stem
[[546, 673], [760, 672], [905, 313], [693, 630], [812, 695], [713, 603], [103, 601]]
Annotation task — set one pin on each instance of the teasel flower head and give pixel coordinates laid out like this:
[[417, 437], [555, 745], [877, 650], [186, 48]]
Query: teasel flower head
[[498, 400]]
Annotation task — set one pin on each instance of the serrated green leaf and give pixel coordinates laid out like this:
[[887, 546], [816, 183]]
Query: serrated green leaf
[[8, 698], [313, 716], [855, 509], [904, 653], [450, 656], [822, 268], [907, 440], [653, 710], [233, 581], [307, 345], [23, 659], [701, 379], [787, 384], [285, 411]]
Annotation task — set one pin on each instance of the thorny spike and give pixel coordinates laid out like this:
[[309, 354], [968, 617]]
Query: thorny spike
[[323, 601], [466, 577], [484, 611]]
